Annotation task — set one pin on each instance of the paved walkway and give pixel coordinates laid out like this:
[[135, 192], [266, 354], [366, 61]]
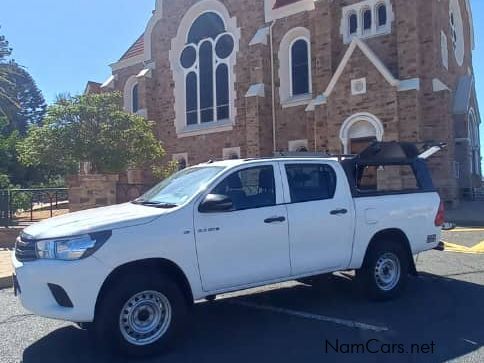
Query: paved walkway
[[5, 268]]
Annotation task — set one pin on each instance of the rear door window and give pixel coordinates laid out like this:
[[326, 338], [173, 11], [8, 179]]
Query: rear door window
[[311, 182], [386, 179]]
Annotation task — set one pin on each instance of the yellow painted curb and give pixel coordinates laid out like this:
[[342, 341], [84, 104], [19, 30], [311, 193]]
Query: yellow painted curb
[[457, 230], [475, 250]]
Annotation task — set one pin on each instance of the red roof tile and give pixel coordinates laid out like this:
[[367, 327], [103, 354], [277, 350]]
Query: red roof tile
[[136, 49], [281, 3], [92, 87]]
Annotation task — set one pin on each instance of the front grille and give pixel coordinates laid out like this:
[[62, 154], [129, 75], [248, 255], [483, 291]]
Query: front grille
[[25, 250]]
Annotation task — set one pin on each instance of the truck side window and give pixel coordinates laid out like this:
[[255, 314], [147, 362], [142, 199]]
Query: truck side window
[[311, 182], [386, 179], [250, 188]]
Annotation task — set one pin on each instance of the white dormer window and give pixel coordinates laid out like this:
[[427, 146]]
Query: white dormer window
[[352, 23], [366, 19], [381, 10]]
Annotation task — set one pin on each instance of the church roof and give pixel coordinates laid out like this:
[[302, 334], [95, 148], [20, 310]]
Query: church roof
[[136, 49], [281, 3]]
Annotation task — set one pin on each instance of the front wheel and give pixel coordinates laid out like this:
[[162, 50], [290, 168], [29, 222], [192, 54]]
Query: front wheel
[[385, 271], [140, 315]]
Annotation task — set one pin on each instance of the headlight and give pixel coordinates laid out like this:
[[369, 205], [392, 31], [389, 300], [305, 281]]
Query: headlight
[[71, 248]]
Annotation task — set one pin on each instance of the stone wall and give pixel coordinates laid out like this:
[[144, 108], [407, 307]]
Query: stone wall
[[92, 191]]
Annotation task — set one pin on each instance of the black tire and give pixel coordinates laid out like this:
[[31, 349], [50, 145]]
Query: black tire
[[107, 329], [384, 256]]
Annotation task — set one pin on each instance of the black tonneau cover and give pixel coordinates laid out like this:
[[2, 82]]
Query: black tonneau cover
[[390, 153]]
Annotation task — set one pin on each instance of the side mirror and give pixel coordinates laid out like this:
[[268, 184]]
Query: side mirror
[[214, 203]]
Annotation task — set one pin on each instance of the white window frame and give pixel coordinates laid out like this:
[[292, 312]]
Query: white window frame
[[458, 42], [291, 80], [370, 119], [364, 9], [377, 15], [129, 86], [348, 23], [474, 142], [286, 97], [195, 68], [354, 84], [178, 45], [359, 9], [444, 45]]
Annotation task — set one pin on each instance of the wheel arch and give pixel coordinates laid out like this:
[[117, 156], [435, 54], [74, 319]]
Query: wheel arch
[[154, 265], [398, 236]]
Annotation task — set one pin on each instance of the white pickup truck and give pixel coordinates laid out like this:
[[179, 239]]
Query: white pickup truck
[[130, 272]]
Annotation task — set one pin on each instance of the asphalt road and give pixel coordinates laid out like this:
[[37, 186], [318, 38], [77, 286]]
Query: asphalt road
[[441, 315]]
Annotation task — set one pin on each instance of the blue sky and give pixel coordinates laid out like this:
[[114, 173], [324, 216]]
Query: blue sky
[[64, 44]]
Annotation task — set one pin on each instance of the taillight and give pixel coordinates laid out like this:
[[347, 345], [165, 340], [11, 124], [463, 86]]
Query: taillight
[[440, 217]]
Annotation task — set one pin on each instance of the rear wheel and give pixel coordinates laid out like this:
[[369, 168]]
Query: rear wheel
[[140, 315], [385, 271]]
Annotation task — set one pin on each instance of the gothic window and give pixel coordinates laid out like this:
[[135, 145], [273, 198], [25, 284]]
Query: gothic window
[[367, 20], [135, 99], [131, 95], [456, 30], [453, 32], [353, 23], [474, 138], [300, 67], [382, 14], [206, 63]]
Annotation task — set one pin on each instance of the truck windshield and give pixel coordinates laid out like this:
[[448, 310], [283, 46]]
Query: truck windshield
[[179, 188]]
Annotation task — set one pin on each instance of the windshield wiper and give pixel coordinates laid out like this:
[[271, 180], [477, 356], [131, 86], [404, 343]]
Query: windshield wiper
[[155, 204]]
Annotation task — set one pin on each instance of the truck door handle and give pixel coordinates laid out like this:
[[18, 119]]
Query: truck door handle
[[338, 212], [274, 220]]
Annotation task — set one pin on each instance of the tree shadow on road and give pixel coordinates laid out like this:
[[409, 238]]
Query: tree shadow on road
[[445, 311]]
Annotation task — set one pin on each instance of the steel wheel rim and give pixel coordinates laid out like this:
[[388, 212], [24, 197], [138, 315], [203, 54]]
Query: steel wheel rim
[[387, 271], [145, 318]]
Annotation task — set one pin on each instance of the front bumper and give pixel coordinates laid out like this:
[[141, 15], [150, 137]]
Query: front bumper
[[81, 280]]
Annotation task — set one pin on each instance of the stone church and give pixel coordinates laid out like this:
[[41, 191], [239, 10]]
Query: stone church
[[245, 78]]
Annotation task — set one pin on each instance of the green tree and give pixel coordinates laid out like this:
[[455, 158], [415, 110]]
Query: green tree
[[91, 128], [7, 71], [29, 105], [21, 105]]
